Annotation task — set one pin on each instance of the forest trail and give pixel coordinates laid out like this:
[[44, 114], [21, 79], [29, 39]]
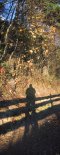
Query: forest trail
[[35, 133]]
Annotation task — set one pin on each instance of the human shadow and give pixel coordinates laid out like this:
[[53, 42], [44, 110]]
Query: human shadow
[[30, 113], [30, 101]]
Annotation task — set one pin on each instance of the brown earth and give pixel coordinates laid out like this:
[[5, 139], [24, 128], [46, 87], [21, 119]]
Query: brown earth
[[37, 134]]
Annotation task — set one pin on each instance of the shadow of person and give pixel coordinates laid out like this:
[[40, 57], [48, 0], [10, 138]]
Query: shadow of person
[[30, 98]]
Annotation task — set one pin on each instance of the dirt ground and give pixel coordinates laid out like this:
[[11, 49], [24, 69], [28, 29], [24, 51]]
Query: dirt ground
[[37, 134], [30, 129]]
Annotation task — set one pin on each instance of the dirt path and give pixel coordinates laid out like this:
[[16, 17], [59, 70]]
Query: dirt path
[[39, 133]]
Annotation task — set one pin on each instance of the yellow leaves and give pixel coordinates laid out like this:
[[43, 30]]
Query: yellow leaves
[[31, 51], [52, 29], [35, 30], [38, 17], [52, 36], [36, 49], [28, 18], [39, 30], [45, 45], [33, 17], [33, 34], [46, 52], [30, 63]]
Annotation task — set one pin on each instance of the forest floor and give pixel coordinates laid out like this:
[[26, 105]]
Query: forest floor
[[37, 134]]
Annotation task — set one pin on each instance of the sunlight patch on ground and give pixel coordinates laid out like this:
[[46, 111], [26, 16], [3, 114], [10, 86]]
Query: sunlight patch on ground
[[40, 109]]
